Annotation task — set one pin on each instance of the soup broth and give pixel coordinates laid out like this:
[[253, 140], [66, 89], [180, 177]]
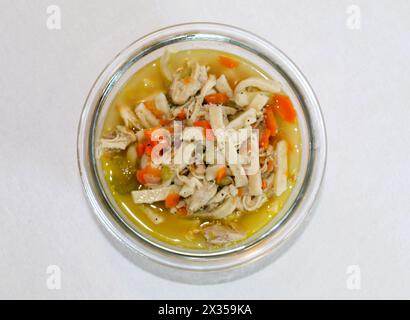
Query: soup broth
[[156, 219]]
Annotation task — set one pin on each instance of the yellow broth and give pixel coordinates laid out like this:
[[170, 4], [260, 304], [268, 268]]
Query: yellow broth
[[185, 231]]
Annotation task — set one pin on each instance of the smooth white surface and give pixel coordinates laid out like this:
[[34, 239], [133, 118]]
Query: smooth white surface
[[362, 80]]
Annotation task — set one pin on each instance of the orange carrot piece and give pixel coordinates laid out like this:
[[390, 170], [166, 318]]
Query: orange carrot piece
[[148, 149], [148, 143], [220, 174], [149, 175], [270, 120], [284, 107], [228, 62], [171, 200], [150, 105], [181, 115], [270, 165], [264, 139], [156, 172], [187, 80], [183, 212], [140, 149], [148, 132], [264, 184], [140, 176], [203, 123], [209, 134], [164, 122], [216, 98]]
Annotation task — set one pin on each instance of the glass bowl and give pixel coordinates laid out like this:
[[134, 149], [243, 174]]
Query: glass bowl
[[225, 263]]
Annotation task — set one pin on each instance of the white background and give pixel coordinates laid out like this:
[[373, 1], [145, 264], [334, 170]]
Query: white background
[[362, 80]]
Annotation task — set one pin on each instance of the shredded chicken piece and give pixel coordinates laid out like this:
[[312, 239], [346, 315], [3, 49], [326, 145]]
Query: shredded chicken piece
[[128, 116], [222, 211], [190, 184], [122, 137], [161, 103], [208, 87], [222, 85], [146, 117], [220, 196], [209, 84], [218, 235], [182, 89], [202, 196]]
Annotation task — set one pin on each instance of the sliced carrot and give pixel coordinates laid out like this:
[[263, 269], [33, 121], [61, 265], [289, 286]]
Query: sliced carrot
[[264, 138], [164, 122], [284, 107], [228, 62], [203, 123], [171, 200], [183, 212], [270, 165], [140, 149], [149, 143], [150, 105], [241, 191], [181, 115], [149, 174], [148, 132], [209, 134], [216, 98], [264, 184], [140, 176], [220, 174], [150, 179], [270, 120], [187, 80], [152, 170], [148, 149]]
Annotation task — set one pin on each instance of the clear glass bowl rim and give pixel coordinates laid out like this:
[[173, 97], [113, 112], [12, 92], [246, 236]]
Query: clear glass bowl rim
[[301, 210]]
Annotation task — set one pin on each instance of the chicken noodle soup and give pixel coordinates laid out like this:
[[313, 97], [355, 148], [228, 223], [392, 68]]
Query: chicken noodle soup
[[201, 149]]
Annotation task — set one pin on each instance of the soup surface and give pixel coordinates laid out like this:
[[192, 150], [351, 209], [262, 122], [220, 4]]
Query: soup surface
[[196, 203]]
